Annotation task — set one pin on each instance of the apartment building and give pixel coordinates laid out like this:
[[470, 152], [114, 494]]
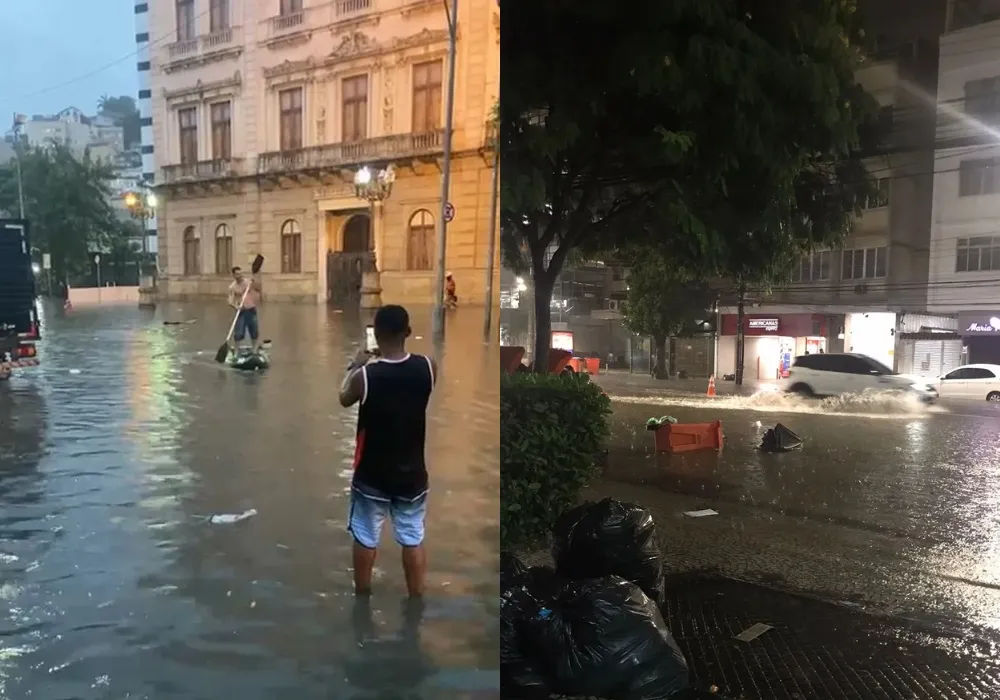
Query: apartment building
[[875, 295], [71, 127], [965, 244], [263, 112]]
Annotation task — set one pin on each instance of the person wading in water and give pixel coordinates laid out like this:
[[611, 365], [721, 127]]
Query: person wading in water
[[390, 475]]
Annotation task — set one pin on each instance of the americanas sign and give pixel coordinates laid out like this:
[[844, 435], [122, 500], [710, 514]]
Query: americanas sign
[[979, 324], [763, 325]]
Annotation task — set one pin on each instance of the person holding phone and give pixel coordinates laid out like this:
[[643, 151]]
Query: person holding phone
[[390, 475]]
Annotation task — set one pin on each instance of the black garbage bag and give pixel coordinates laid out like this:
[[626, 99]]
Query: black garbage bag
[[606, 638], [609, 538], [513, 572], [780, 439], [520, 677]]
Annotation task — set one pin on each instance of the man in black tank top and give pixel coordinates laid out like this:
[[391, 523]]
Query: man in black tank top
[[392, 389]]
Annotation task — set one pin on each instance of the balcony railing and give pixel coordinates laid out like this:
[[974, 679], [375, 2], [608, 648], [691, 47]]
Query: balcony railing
[[317, 16], [218, 39], [192, 48], [349, 8], [339, 155], [287, 22], [203, 171], [184, 48]]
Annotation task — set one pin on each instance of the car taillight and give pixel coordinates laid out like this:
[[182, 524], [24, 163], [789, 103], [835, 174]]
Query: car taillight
[[24, 351]]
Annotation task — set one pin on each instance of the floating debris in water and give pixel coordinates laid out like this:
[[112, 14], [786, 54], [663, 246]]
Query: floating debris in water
[[230, 518], [705, 512]]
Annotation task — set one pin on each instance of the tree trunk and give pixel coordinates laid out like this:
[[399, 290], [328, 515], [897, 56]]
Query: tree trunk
[[740, 338], [673, 357], [661, 356], [543, 321]]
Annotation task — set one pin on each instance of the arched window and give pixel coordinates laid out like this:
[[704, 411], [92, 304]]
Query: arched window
[[223, 250], [419, 238], [192, 252], [291, 246]]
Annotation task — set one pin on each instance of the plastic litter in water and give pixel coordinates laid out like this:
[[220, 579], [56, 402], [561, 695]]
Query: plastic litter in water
[[230, 518], [700, 513], [74, 371]]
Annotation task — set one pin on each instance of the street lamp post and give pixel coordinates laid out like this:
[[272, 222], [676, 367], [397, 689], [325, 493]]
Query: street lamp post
[[142, 207], [373, 187], [18, 123]]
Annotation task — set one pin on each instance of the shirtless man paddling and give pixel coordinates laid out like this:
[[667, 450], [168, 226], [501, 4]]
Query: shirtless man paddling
[[246, 321]]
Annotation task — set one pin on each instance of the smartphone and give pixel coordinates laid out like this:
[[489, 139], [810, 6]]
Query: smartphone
[[371, 345]]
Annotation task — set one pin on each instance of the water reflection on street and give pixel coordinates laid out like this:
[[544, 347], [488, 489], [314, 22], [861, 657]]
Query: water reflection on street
[[115, 452]]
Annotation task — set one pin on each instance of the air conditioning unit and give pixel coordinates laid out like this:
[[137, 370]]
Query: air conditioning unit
[[614, 305]]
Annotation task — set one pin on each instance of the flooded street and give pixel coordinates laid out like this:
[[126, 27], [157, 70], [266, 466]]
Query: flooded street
[[890, 505], [116, 451]]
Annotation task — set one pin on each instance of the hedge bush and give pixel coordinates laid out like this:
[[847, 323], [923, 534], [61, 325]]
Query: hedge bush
[[552, 428]]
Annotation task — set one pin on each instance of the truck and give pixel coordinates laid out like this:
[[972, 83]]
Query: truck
[[20, 329]]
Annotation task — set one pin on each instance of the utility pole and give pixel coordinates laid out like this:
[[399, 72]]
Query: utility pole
[[442, 225], [492, 245], [16, 130]]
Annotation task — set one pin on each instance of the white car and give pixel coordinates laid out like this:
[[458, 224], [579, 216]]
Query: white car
[[976, 382], [831, 374]]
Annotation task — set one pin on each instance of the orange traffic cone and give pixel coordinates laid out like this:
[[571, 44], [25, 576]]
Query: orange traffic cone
[[711, 386]]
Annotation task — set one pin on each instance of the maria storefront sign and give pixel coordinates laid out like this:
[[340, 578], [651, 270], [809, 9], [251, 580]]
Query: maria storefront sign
[[762, 325], [973, 323]]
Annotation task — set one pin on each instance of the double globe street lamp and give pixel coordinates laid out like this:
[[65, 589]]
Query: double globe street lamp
[[373, 187], [142, 206]]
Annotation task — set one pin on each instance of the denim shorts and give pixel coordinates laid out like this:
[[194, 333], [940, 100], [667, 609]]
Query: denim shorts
[[368, 515], [246, 322]]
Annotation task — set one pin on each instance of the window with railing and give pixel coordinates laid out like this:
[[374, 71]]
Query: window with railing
[[977, 254], [218, 15], [977, 177], [354, 108], [290, 104], [814, 267], [222, 131], [185, 20], [223, 250], [187, 126], [880, 197], [864, 263], [426, 97]]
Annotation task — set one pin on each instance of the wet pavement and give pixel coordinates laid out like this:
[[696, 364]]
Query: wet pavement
[[890, 506], [113, 454]]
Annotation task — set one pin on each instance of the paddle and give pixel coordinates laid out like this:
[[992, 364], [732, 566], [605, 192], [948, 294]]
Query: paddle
[[223, 351]]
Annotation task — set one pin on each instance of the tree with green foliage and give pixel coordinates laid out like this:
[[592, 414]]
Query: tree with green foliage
[[724, 133], [663, 302], [67, 201], [125, 114]]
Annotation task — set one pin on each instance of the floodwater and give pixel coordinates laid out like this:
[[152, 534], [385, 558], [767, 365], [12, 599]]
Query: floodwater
[[119, 447], [889, 503]]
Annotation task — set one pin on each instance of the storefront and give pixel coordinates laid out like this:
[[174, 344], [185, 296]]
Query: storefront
[[772, 342], [873, 334], [980, 331]]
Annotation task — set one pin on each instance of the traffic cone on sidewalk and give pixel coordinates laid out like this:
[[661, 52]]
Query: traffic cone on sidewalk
[[711, 386]]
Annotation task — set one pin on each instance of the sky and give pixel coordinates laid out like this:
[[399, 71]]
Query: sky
[[52, 50]]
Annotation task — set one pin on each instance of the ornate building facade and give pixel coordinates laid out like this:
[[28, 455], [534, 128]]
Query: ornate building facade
[[264, 111]]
